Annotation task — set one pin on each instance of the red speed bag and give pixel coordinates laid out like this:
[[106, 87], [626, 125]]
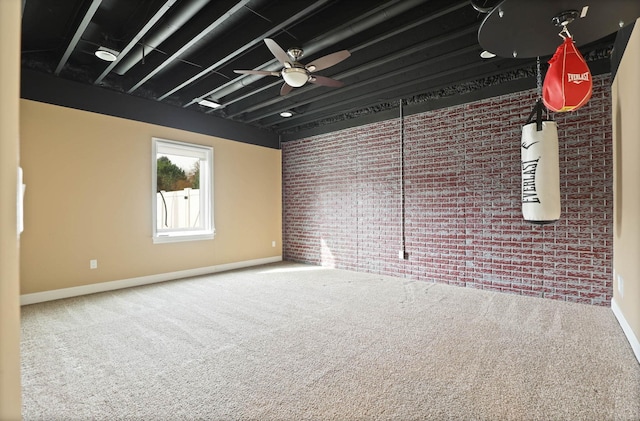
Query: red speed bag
[[567, 85]]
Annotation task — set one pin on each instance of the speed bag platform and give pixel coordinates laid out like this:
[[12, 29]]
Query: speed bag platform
[[540, 170], [568, 84]]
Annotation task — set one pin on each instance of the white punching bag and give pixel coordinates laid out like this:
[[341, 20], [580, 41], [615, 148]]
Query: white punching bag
[[540, 170]]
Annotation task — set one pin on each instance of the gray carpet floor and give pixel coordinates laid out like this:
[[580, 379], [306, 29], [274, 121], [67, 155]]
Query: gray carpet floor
[[295, 342]]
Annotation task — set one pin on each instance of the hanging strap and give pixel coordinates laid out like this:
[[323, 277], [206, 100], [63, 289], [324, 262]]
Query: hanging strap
[[537, 111]]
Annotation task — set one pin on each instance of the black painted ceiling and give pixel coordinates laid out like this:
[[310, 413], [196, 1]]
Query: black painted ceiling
[[420, 51]]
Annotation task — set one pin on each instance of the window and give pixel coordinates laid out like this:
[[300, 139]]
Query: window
[[182, 191]]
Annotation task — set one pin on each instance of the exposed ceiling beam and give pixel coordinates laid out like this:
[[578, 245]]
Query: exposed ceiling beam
[[368, 66], [76, 37], [353, 50], [227, 15], [355, 26], [151, 43], [160, 13], [380, 78], [224, 60]]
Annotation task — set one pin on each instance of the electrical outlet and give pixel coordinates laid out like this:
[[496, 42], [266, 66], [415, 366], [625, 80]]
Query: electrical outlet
[[93, 264], [273, 244], [621, 286]]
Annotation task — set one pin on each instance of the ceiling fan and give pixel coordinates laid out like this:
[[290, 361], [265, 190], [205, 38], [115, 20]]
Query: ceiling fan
[[296, 74]]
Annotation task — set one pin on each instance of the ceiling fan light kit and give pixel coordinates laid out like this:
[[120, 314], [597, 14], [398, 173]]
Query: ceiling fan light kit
[[295, 76]]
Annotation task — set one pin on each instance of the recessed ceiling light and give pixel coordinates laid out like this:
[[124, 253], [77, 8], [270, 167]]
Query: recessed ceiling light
[[286, 114], [106, 54], [487, 54], [208, 103]]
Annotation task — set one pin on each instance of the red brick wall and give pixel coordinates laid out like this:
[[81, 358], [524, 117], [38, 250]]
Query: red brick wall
[[342, 200]]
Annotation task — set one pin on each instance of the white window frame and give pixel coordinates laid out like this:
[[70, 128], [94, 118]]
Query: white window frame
[[205, 154]]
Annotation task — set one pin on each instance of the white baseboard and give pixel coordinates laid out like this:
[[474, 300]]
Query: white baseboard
[[633, 339], [56, 294]]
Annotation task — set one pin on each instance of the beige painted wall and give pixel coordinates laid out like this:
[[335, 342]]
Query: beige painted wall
[[88, 196], [626, 149], [10, 405]]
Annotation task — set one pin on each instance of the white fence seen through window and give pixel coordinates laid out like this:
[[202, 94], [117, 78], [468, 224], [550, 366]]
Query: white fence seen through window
[[179, 209]]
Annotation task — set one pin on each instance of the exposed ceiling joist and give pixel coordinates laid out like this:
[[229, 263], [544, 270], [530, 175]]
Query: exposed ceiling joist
[[373, 18], [378, 93], [353, 50], [368, 66], [78, 34], [215, 24], [246, 47]]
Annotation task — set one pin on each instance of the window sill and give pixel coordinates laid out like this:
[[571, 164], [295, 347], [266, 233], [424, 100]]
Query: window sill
[[180, 237]]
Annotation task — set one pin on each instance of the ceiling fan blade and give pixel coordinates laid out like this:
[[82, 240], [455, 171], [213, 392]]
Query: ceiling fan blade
[[327, 61], [277, 51], [325, 81], [286, 88], [257, 72]]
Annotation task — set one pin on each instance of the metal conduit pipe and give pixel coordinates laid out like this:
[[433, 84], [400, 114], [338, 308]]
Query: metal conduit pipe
[[135, 55], [330, 39]]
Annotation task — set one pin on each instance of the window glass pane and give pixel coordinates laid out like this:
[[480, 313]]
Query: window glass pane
[[178, 190]]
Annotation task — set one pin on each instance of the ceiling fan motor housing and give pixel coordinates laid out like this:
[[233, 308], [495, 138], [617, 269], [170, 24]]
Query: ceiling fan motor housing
[[295, 53]]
